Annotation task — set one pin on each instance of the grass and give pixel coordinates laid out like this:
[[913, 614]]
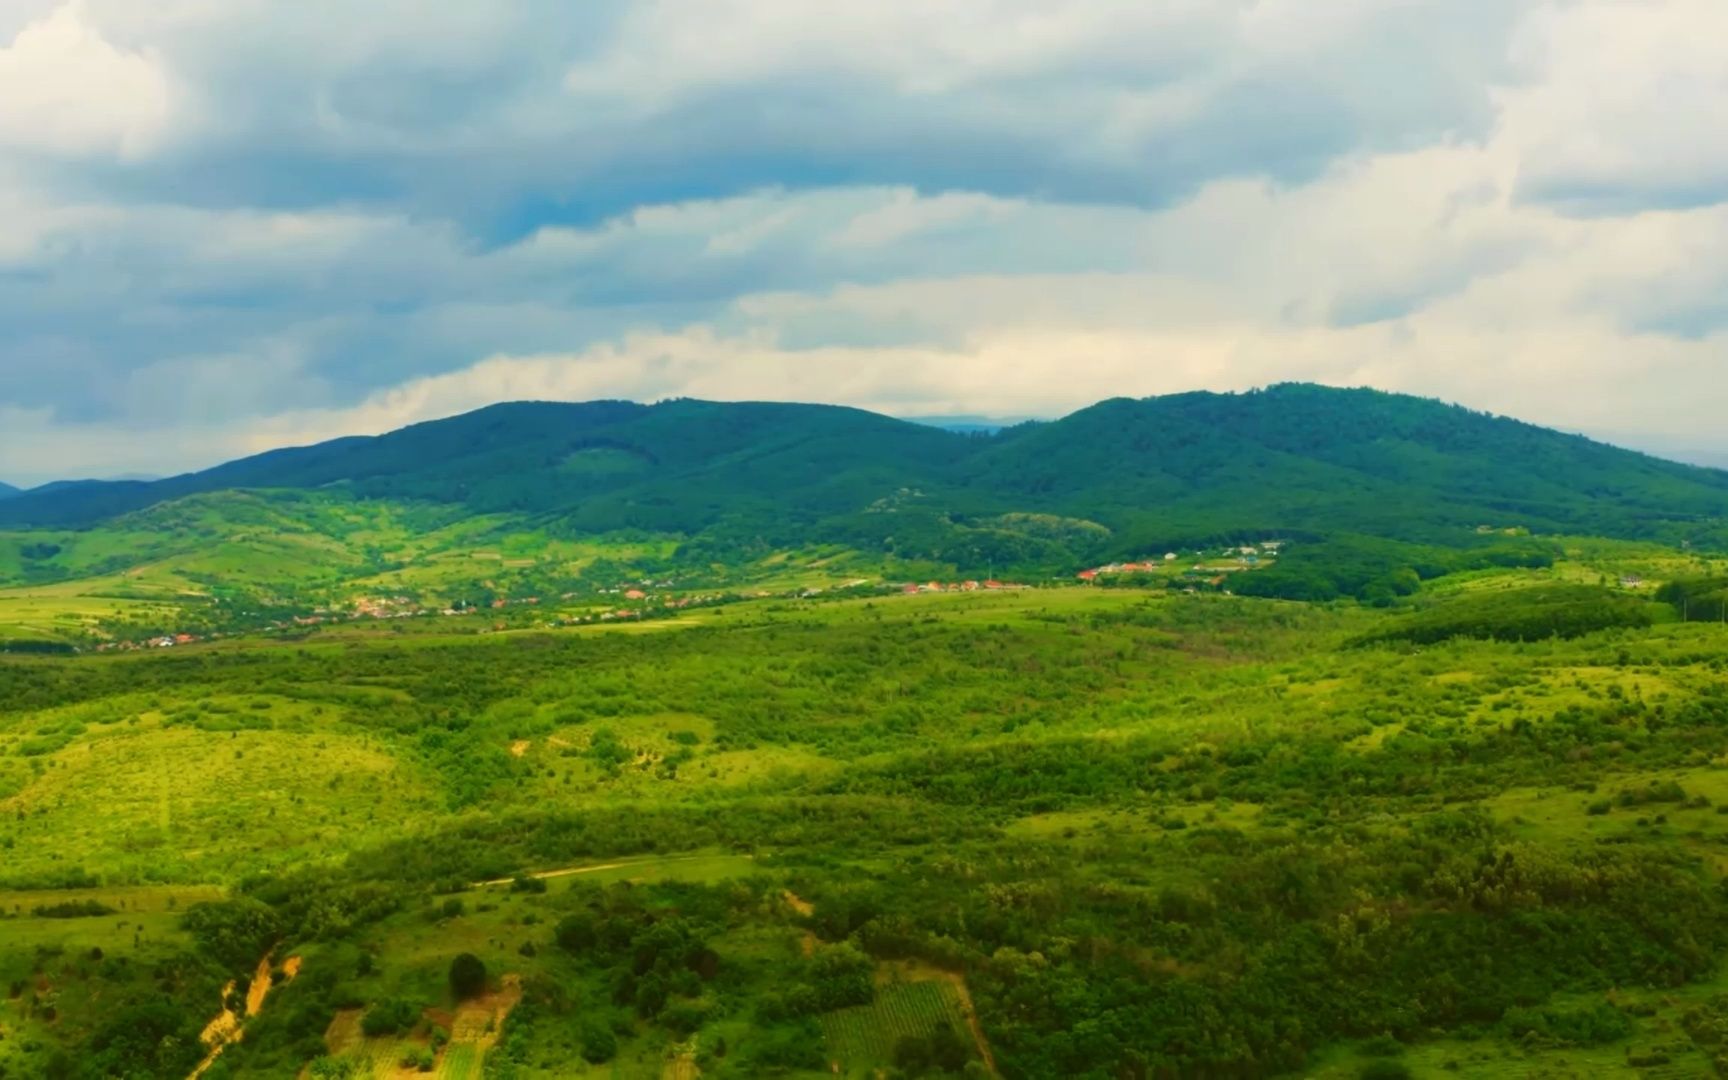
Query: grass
[[147, 799]]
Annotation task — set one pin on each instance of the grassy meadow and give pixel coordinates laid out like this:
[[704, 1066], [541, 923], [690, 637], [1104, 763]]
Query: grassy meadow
[[1088, 832]]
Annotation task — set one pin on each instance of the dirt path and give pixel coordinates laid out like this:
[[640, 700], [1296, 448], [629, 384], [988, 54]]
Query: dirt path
[[228, 1027], [958, 982], [481, 1021], [260, 988], [571, 871], [545, 875], [805, 908]]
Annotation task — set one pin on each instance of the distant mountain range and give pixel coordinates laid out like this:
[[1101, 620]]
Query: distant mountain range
[[968, 425], [7, 491], [1291, 458]]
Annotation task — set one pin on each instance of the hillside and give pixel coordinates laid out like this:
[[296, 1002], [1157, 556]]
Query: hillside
[[619, 741], [7, 491], [1163, 469], [530, 498], [683, 463], [1321, 459]]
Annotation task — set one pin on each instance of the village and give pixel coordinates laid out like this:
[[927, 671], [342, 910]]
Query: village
[[1204, 568], [648, 598]]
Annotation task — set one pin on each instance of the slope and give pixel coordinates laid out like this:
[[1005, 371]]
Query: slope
[[1300, 459], [685, 460]]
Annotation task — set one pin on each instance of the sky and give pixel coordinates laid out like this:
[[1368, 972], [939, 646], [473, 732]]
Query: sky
[[232, 225]]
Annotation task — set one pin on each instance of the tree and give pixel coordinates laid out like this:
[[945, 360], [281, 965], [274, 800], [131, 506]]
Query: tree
[[599, 1045], [390, 1017], [236, 932], [841, 976], [576, 933], [467, 976]]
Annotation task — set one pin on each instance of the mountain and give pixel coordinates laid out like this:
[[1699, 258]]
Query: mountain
[[1323, 459], [1292, 458], [538, 457], [7, 491], [967, 425]]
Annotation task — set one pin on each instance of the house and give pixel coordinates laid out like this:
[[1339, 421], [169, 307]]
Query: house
[[635, 594], [970, 586], [1170, 556], [909, 590], [1087, 575], [992, 584]]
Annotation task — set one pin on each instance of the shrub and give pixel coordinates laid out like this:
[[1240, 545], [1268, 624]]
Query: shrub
[[467, 976], [599, 1045], [393, 1016]]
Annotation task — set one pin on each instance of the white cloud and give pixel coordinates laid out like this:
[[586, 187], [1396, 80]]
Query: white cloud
[[1626, 104], [65, 90]]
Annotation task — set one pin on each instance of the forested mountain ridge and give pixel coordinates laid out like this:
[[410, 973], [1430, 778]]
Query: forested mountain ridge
[[7, 491], [1292, 457]]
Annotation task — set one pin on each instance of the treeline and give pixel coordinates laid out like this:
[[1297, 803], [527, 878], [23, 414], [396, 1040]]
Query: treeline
[[1379, 571], [1522, 614], [1698, 599]]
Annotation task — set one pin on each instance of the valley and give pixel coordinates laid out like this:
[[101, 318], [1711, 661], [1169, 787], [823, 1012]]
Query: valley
[[1118, 799]]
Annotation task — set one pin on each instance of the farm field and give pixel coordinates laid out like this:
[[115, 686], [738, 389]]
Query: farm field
[[862, 1038]]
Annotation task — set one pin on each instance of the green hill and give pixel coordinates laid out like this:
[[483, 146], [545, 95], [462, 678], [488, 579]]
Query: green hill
[[7, 491], [732, 482], [1289, 456], [1320, 459]]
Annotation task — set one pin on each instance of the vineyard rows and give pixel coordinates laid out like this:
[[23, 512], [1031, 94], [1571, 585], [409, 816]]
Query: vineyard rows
[[866, 1034]]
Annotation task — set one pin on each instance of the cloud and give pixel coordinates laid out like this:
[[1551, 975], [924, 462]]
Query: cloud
[[507, 116], [1620, 115], [68, 92], [237, 223]]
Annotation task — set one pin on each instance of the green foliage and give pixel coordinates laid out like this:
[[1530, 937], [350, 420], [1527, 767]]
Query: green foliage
[[1377, 570], [942, 1051], [1523, 614], [237, 932], [153, 1039], [467, 976], [72, 909], [1704, 599], [841, 975], [393, 1016], [599, 1045], [1151, 835], [1591, 1025]]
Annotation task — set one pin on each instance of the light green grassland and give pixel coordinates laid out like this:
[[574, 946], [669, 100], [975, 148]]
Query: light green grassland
[[210, 561], [1185, 800]]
